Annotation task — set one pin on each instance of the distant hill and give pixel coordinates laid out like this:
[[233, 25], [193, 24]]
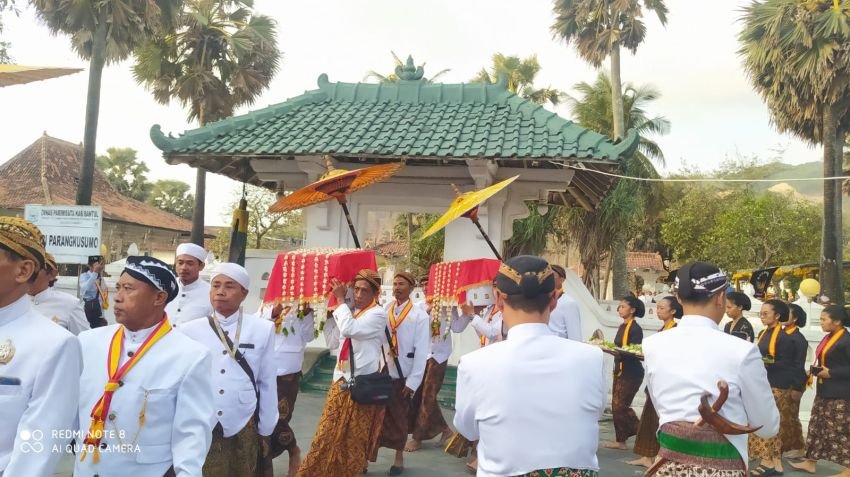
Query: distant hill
[[812, 190]]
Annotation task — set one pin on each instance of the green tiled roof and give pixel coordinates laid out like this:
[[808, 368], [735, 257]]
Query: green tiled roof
[[411, 118]]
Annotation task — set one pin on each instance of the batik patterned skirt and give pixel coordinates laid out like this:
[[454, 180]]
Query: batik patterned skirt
[[345, 437], [646, 442], [234, 455], [562, 472], [761, 448], [790, 429], [674, 469], [689, 451], [427, 417], [395, 421], [283, 437], [829, 431], [622, 395]]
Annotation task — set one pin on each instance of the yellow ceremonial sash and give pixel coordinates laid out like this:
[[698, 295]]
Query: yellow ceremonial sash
[[396, 321], [771, 348], [103, 292], [345, 351], [789, 330], [670, 324], [489, 319], [113, 357], [625, 343], [820, 354]]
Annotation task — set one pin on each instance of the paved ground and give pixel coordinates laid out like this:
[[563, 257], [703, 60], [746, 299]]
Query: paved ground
[[431, 461]]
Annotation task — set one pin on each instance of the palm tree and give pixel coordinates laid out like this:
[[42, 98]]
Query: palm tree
[[631, 202], [796, 54], [598, 29], [400, 68], [221, 58], [103, 32], [520, 73]]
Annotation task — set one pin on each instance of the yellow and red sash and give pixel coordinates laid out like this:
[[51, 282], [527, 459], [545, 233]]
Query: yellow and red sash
[[489, 319], [771, 347], [345, 351], [625, 343], [103, 292], [820, 353], [396, 321], [101, 408]]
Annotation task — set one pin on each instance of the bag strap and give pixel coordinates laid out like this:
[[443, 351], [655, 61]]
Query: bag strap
[[395, 355], [243, 363]]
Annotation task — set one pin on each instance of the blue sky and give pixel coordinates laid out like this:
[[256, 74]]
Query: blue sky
[[693, 62]]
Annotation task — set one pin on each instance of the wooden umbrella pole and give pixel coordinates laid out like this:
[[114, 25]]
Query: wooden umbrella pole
[[486, 237], [341, 200]]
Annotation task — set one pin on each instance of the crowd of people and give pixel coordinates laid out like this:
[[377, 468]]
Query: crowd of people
[[186, 383]]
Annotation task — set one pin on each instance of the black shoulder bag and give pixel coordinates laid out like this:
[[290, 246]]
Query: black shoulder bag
[[373, 388]]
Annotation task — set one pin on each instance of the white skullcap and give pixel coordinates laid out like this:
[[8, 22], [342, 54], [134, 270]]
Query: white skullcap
[[192, 250], [235, 272]]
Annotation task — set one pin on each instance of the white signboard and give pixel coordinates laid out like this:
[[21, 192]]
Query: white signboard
[[71, 232]]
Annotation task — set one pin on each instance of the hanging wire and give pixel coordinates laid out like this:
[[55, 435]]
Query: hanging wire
[[664, 179]]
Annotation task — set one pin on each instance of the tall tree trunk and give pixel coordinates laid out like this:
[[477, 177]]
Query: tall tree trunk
[[98, 59], [617, 93], [831, 260], [197, 236]]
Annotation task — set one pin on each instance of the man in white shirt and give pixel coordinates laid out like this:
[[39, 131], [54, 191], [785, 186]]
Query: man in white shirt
[[409, 344], [243, 374], [146, 401], [505, 390], [62, 308], [294, 328], [565, 320], [428, 420], [686, 362], [345, 436], [39, 362], [193, 301]]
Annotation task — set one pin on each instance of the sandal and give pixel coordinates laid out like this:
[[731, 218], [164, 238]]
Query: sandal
[[763, 471]]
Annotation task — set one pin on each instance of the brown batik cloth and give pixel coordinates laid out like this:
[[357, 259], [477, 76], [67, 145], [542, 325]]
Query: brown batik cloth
[[234, 455], [345, 437], [395, 421], [459, 446], [427, 417], [790, 429], [283, 438], [646, 442], [625, 419], [829, 431], [562, 472], [760, 448], [677, 464]]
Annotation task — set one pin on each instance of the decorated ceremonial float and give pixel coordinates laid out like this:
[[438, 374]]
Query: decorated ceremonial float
[[302, 280], [454, 283]]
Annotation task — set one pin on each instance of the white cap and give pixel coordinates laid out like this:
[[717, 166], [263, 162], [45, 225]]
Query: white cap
[[233, 271], [192, 250]]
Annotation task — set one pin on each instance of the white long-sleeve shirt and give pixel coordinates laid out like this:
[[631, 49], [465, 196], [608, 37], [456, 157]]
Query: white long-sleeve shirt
[[291, 341], [62, 308], [233, 394], [516, 396], [488, 325], [367, 339], [414, 343], [565, 320], [687, 361], [192, 302], [39, 389], [441, 345]]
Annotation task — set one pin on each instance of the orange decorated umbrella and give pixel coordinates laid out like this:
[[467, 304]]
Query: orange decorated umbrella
[[17, 74], [336, 184], [466, 205]]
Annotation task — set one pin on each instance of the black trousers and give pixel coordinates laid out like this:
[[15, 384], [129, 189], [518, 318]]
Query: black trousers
[[94, 313]]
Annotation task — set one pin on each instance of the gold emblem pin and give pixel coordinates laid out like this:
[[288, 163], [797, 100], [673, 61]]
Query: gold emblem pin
[[7, 351]]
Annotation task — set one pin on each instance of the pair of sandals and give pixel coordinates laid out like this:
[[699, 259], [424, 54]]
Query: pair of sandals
[[394, 470], [764, 471]]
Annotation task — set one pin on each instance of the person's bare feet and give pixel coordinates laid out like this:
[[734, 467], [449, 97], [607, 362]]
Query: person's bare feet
[[615, 445], [808, 466], [294, 461], [472, 466], [445, 437], [844, 473], [412, 445], [795, 454], [642, 462]]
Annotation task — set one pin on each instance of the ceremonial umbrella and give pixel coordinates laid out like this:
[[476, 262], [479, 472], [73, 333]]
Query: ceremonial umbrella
[[335, 184], [17, 74], [466, 205]]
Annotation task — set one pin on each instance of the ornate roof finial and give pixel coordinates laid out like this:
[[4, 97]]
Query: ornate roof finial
[[329, 163], [409, 71]]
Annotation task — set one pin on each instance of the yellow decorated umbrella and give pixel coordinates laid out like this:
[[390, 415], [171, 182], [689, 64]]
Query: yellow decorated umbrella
[[466, 205], [336, 184], [17, 74]]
